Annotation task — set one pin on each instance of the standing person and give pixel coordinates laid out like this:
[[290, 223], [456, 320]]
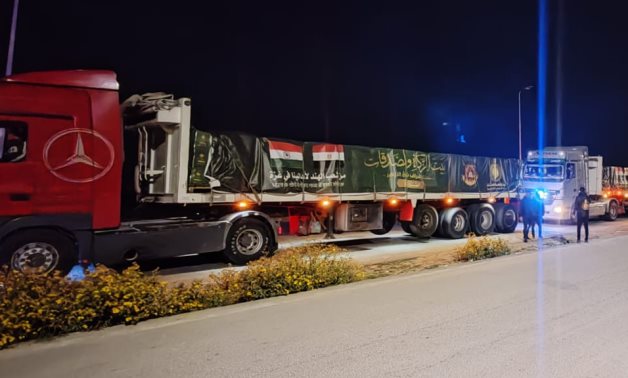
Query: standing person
[[526, 209], [581, 209], [539, 211]]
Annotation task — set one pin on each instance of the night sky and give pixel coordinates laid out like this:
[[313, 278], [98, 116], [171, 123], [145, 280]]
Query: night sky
[[369, 73]]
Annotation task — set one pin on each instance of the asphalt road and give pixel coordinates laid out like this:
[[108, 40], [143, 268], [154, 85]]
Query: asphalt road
[[559, 313], [367, 248]]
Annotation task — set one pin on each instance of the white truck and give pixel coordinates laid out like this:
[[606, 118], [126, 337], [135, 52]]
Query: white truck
[[558, 173]]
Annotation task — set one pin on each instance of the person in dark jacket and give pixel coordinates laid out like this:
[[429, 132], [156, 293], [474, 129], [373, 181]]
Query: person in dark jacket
[[532, 210], [536, 213], [581, 210], [525, 209]]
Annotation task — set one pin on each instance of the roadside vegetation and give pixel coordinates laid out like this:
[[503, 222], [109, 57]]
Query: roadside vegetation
[[478, 248], [40, 306], [34, 307]]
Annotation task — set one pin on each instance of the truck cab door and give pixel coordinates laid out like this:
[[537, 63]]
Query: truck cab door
[[50, 175], [17, 170]]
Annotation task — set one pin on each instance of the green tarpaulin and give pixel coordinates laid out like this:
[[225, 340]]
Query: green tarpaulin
[[244, 163]]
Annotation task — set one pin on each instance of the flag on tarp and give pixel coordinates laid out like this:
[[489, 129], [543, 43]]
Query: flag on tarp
[[327, 167], [284, 154], [328, 152]]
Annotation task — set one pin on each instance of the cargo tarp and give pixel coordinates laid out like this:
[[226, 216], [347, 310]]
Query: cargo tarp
[[243, 163], [615, 177]]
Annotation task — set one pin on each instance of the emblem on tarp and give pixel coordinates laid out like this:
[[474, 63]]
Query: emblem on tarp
[[470, 177], [497, 176]]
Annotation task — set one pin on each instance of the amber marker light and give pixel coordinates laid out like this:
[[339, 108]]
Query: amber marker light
[[325, 203], [393, 201], [243, 205]]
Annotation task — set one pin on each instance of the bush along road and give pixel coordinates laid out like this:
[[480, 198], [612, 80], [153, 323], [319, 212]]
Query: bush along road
[[42, 306]]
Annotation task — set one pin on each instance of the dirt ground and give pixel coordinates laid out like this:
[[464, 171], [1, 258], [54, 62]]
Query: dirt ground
[[446, 256]]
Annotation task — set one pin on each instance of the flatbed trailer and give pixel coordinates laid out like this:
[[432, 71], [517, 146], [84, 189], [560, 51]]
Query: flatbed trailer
[[62, 169]]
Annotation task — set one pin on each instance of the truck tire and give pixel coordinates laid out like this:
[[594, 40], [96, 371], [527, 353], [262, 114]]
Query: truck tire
[[439, 233], [248, 239], [454, 223], [481, 219], [388, 222], [506, 218], [405, 226], [611, 215], [424, 222], [38, 251]]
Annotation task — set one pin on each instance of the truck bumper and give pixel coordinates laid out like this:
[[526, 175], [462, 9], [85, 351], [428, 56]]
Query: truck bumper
[[557, 212]]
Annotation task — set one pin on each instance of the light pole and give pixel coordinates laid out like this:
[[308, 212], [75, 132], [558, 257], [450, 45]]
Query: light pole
[[520, 90], [9, 67]]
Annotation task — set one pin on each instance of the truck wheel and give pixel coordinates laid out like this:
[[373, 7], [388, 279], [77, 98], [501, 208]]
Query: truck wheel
[[612, 211], [454, 223], [506, 218], [388, 222], [247, 240], [481, 219], [405, 226], [424, 222], [38, 251]]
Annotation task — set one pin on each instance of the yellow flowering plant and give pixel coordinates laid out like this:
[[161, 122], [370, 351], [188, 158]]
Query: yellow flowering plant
[[36, 306]]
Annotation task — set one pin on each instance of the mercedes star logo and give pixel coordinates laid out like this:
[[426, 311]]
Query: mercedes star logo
[[98, 161]]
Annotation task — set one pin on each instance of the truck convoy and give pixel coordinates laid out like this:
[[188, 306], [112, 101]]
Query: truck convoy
[[62, 168], [63, 172], [558, 173]]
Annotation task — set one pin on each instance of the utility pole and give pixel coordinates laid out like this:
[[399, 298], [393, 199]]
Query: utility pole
[[9, 67], [519, 96]]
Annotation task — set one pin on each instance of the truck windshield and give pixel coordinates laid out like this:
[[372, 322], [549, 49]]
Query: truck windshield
[[551, 172]]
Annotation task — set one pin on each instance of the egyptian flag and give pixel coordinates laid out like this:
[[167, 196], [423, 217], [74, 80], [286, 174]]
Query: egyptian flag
[[285, 155], [328, 159], [328, 152]]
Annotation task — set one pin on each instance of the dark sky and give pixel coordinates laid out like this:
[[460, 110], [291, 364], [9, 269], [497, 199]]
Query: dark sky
[[380, 73]]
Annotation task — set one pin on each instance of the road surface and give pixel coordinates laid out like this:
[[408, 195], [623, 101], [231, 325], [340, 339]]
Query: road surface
[[367, 248], [559, 313]]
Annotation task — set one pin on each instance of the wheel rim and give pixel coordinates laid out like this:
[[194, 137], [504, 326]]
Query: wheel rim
[[613, 211], [459, 223], [486, 219], [36, 258], [509, 218], [426, 221], [249, 242]]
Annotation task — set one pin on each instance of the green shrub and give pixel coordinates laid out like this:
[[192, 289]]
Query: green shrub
[[39, 306], [482, 248]]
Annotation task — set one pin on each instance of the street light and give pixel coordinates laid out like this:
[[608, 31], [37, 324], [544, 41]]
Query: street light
[[520, 90], [9, 66]]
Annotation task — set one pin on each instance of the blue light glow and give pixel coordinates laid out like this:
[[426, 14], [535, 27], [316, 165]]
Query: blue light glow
[[542, 73], [541, 87]]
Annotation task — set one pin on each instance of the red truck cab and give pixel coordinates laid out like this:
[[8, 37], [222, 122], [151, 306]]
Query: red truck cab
[[60, 162], [61, 177]]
